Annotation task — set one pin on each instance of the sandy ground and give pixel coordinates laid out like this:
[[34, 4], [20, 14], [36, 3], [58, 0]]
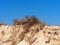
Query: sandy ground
[[17, 35]]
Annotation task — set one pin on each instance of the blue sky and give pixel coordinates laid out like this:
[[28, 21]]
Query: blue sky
[[46, 10]]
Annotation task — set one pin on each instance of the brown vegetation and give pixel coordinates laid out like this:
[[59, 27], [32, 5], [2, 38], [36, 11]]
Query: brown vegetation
[[28, 22], [2, 24]]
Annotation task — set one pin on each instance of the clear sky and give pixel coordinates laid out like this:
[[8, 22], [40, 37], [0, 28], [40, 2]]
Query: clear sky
[[46, 10]]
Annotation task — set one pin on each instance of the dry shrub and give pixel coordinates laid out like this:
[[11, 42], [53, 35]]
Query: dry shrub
[[2, 24], [28, 22]]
